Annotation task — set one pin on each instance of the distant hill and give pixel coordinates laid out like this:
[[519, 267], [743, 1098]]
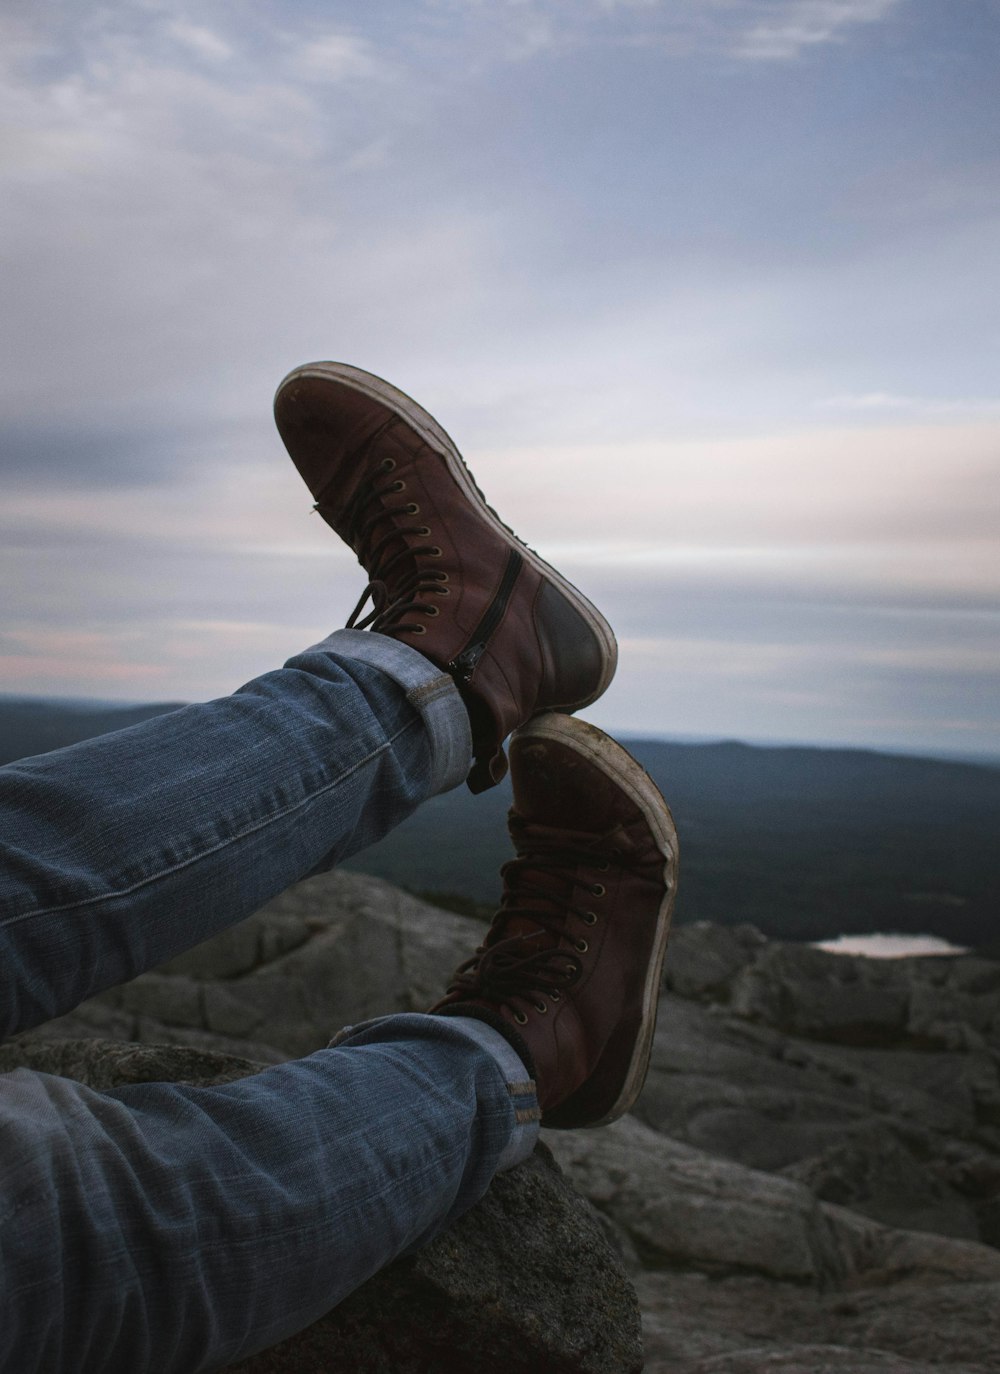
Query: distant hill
[[805, 843], [34, 725]]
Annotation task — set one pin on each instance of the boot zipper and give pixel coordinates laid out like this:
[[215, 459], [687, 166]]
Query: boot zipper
[[463, 665]]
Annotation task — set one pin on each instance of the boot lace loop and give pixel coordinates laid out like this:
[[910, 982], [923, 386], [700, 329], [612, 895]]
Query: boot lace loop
[[539, 887], [370, 523]]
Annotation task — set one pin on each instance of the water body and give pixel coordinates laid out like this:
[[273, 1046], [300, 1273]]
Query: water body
[[886, 946]]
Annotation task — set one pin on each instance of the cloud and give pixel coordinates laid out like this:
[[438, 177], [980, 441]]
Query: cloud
[[837, 582], [201, 41], [623, 295], [789, 28], [339, 57], [813, 489], [923, 692], [870, 400], [921, 189], [179, 233], [874, 401], [56, 458], [752, 30], [164, 217]]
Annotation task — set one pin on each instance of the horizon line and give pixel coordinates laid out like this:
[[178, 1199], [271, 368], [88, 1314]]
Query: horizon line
[[980, 758]]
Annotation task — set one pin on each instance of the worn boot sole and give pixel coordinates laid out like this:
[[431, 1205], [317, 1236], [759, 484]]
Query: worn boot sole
[[619, 765], [424, 424]]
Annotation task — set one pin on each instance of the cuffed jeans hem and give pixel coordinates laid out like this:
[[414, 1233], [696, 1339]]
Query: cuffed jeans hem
[[527, 1114], [429, 691], [520, 1087]]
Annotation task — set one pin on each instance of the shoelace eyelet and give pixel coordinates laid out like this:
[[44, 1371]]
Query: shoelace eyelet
[[424, 532], [520, 1018], [435, 552], [443, 591], [590, 918], [431, 610], [387, 464], [398, 485], [418, 629], [412, 508], [598, 889], [541, 1008], [581, 946], [554, 996]]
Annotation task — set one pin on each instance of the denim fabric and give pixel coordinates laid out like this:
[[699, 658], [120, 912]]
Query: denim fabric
[[118, 853], [174, 1228]]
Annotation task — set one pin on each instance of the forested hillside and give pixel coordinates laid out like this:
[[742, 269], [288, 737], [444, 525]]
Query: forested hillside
[[805, 843]]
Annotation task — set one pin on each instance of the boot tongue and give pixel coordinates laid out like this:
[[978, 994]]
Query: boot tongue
[[533, 868], [541, 866]]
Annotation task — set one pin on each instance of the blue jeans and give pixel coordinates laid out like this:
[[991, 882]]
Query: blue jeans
[[183, 1228]]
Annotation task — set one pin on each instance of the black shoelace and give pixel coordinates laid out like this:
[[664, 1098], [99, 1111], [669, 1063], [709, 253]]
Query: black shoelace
[[396, 582], [509, 966]]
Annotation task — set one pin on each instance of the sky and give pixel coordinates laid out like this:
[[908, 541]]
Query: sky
[[706, 291]]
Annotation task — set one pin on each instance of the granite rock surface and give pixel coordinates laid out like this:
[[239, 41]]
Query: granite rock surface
[[810, 1181]]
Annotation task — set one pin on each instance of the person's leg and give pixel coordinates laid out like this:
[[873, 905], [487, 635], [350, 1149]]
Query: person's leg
[[195, 1202], [177, 1229], [119, 852]]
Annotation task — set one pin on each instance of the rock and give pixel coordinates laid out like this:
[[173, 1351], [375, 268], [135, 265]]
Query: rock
[[748, 1325], [815, 1359], [947, 1325], [904, 1131], [526, 1280], [871, 1168], [933, 1003], [813, 993], [704, 959], [103, 1064], [337, 948], [874, 1255], [682, 1207], [805, 1186]]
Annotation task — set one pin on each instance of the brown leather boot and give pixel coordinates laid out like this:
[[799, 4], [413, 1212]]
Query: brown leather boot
[[570, 971], [445, 573]]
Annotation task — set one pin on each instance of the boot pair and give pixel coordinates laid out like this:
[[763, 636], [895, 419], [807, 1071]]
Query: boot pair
[[570, 969]]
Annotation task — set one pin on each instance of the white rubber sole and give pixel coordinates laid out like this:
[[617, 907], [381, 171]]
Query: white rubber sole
[[424, 424], [618, 764]]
